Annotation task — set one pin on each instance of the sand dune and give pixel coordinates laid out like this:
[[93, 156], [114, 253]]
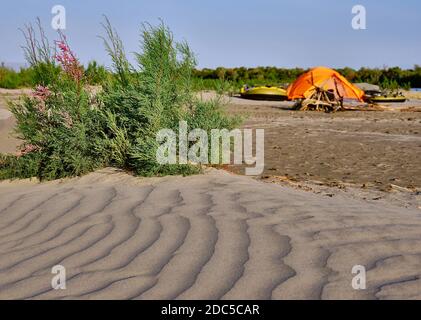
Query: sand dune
[[213, 236]]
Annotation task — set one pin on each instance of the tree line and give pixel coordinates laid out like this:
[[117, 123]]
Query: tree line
[[385, 77], [390, 78]]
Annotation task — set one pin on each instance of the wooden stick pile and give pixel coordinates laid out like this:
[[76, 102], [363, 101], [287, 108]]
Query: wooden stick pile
[[320, 100]]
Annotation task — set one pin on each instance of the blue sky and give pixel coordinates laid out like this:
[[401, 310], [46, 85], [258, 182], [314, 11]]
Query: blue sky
[[233, 33]]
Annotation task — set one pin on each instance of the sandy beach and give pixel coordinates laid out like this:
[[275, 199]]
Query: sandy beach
[[213, 236], [376, 150], [296, 232], [8, 142]]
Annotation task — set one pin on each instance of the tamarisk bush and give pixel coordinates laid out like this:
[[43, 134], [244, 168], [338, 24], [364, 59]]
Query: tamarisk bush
[[68, 130]]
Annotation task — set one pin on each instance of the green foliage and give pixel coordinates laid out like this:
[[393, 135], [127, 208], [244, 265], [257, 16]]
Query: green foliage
[[114, 47], [45, 73], [208, 79], [69, 131], [231, 79], [209, 115], [96, 74], [389, 84], [63, 132], [11, 79], [156, 95], [12, 167], [43, 68]]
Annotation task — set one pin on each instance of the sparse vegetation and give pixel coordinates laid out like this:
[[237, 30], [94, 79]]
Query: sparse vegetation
[[67, 130]]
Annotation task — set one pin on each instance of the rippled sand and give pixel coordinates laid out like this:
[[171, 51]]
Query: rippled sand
[[210, 236]]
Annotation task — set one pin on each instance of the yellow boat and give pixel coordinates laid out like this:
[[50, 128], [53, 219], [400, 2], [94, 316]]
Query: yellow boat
[[375, 96], [263, 93], [387, 99]]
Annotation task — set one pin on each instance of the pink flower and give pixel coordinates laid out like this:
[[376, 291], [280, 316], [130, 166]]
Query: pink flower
[[26, 149], [41, 93], [68, 61], [63, 47]]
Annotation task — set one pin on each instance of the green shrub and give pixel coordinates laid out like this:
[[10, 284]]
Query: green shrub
[[62, 136], [157, 94], [96, 74], [69, 131], [9, 79]]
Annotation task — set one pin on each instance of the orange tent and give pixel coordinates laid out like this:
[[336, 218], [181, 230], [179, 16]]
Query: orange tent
[[326, 79]]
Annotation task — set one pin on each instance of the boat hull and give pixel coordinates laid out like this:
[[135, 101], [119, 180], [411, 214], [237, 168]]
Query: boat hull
[[264, 93], [387, 100]]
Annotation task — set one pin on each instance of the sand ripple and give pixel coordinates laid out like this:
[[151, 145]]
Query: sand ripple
[[215, 236]]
